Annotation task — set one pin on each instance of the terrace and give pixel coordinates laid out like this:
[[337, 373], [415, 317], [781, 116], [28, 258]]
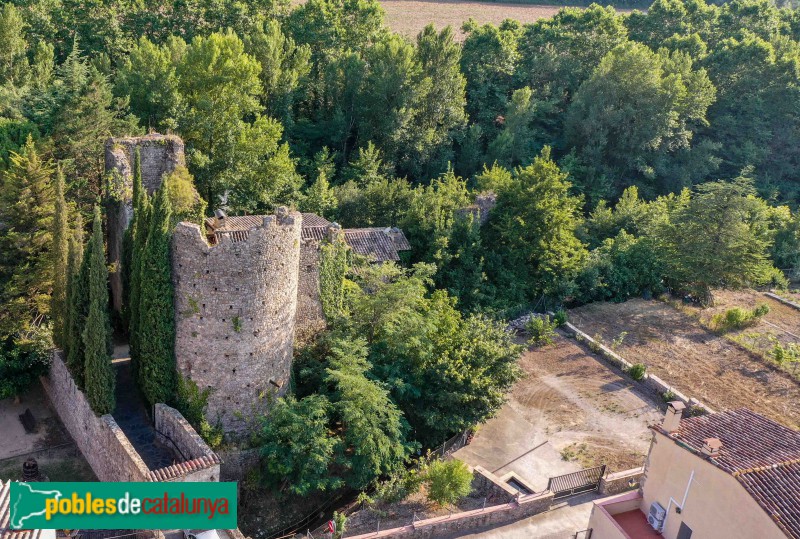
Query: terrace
[[620, 518]]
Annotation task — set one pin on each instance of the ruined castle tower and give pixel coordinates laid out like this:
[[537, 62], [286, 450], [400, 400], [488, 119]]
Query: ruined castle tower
[[160, 154], [235, 305]]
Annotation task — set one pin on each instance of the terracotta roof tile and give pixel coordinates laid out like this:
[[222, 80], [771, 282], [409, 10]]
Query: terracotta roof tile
[[763, 455]]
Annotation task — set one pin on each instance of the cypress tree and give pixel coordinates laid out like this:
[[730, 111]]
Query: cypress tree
[[99, 374], [60, 252], [128, 240], [156, 324], [78, 291], [141, 213]]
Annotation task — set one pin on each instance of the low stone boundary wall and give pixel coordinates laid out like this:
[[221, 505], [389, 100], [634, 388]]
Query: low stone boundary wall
[[785, 301], [496, 515], [650, 380], [618, 482], [488, 485], [101, 441], [200, 463]]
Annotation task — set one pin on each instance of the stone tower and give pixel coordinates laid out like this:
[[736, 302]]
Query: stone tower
[[160, 154], [235, 305]]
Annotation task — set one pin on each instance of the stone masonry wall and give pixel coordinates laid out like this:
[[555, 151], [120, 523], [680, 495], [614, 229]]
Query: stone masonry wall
[[235, 306], [618, 482], [199, 462], [466, 522], [310, 319], [105, 447], [159, 154]]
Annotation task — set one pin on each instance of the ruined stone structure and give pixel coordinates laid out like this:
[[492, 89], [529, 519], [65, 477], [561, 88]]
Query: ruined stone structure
[[235, 305], [160, 154]]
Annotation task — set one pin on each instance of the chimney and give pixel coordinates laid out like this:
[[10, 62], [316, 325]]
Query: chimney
[[333, 231], [712, 447], [219, 218], [672, 419]]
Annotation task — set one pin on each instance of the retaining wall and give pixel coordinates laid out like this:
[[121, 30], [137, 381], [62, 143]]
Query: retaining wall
[[785, 301], [496, 515], [491, 487], [101, 441], [650, 380]]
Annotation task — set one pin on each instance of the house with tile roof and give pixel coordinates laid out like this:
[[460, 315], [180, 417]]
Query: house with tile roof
[[729, 475]]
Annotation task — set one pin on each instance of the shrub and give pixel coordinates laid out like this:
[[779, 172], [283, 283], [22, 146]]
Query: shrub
[[448, 481], [340, 519], [786, 354], [541, 330], [738, 318], [400, 484], [616, 343], [668, 395], [560, 317], [637, 371]]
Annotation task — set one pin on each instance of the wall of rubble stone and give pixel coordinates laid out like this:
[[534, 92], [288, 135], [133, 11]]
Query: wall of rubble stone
[[199, 461], [235, 306], [309, 319], [159, 154], [101, 441]]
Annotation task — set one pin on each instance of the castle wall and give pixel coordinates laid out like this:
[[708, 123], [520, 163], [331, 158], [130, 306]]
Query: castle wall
[[235, 306], [159, 154], [310, 319]]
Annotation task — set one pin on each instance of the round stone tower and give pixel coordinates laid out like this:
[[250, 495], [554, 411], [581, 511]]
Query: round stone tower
[[235, 304]]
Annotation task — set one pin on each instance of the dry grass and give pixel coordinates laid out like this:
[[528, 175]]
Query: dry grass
[[676, 347], [409, 17]]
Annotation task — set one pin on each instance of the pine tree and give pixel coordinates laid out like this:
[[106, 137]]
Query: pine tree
[[58, 301], [78, 291], [156, 321], [99, 374], [128, 240]]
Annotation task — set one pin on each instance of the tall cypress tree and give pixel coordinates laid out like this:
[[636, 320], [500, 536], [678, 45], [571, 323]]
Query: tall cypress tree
[[99, 374], [156, 323], [141, 213], [78, 308], [60, 252], [129, 239]]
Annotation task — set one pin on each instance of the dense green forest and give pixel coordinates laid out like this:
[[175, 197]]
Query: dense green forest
[[629, 154]]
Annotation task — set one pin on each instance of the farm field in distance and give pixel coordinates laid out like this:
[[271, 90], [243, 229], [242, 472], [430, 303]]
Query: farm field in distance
[[698, 362]]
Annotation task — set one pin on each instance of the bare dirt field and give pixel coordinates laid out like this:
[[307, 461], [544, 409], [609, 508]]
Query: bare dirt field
[[781, 325], [701, 364], [408, 17], [571, 411]]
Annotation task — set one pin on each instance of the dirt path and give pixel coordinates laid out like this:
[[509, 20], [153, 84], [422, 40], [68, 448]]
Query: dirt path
[[675, 347], [571, 411]]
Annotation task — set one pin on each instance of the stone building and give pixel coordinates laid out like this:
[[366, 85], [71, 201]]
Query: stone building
[[235, 304], [159, 154]]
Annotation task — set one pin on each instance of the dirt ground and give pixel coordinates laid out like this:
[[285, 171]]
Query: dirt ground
[[409, 17], [701, 364], [571, 411], [49, 443], [780, 325]]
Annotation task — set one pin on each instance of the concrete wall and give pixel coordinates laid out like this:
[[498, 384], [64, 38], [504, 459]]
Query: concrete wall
[[716, 504], [159, 154], [468, 521], [102, 443], [601, 523], [310, 319], [618, 482], [235, 306]]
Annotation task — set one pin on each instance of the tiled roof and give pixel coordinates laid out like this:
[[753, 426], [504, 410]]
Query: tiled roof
[[764, 456], [183, 468], [380, 244], [5, 517]]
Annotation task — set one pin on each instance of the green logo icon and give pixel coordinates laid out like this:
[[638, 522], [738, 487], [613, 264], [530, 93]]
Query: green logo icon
[[135, 506]]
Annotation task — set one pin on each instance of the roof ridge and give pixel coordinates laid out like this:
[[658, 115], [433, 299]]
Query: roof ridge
[[774, 466]]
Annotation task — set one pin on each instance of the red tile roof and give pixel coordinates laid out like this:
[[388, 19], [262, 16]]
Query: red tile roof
[[379, 244], [764, 456]]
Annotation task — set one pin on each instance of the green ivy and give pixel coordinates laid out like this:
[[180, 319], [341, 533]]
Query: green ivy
[[332, 271]]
